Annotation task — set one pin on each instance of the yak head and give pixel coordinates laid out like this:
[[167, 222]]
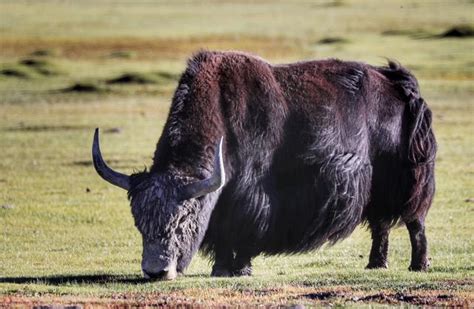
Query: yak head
[[171, 212]]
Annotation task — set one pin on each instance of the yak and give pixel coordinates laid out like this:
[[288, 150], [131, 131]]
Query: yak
[[256, 158]]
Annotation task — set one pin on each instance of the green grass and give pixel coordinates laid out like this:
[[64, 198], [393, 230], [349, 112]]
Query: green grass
[[67, 236]]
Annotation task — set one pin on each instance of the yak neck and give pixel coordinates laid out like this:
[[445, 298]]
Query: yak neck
[[194, 125]]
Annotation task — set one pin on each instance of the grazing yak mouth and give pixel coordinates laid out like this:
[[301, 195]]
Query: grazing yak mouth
[[167, 273], [311, 150]]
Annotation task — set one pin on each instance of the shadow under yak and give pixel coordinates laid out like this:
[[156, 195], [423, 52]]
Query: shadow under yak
[[75, 279]]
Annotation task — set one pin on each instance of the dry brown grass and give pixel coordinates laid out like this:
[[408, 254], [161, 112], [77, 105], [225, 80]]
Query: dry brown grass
[[150, 48], [281, 296]]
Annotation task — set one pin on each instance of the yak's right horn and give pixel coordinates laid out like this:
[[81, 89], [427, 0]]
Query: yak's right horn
[[108, 174], [211, 184]]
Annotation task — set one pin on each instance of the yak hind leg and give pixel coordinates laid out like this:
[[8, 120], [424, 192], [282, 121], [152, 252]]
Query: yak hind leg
[[378, 253], [414, 217], [419, 246]]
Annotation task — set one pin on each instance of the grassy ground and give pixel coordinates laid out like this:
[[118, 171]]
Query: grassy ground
[[68, 237]]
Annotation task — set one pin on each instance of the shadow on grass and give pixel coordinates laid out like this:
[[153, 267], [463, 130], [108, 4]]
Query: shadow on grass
[[47, 128], [75, 279]]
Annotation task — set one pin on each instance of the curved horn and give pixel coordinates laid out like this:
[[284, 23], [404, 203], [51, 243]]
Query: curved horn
[[211, 184], [108, 174]]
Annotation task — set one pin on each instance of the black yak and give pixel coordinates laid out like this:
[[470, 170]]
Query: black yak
[[259, 158]]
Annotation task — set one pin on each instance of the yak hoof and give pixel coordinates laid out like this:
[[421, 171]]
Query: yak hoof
[[378, 265], [220, 272], [419, 267], [244, 271]]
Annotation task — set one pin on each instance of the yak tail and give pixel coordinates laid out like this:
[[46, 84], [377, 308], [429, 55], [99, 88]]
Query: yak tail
[[421, 156], [421, 144]]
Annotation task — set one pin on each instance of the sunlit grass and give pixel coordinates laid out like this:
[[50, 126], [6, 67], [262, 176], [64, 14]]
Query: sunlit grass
[[58, 219]]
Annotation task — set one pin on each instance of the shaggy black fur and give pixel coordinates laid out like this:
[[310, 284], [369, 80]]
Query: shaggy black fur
[[311, 150]]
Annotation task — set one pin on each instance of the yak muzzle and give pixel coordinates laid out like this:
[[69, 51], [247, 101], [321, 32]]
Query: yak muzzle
[[162, 275], [167, 273]]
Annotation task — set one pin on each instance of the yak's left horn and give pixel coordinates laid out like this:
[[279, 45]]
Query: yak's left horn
[[211, 184], [108, 174]]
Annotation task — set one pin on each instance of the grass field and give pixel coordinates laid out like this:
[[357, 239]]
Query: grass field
[[68, 237]]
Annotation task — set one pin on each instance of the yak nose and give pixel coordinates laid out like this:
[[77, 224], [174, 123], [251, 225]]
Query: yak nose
[[166, 274]]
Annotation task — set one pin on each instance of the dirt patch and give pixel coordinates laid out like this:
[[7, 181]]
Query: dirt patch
[[41, 66], [332, 40], [419, 298], [134, 78], [322, 295], [219, 297], [84, 87], [449, 284], [143, 78], [397, 298], [153, 48], [30, 68], [16, 72], [461, 31], [44, 53], [34, 63]]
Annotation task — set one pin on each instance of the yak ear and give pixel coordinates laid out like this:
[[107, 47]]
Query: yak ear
[[211, 184]]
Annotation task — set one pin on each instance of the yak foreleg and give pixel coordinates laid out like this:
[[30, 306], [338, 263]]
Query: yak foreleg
[[223, 263], [226, 265], [242, 265]]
